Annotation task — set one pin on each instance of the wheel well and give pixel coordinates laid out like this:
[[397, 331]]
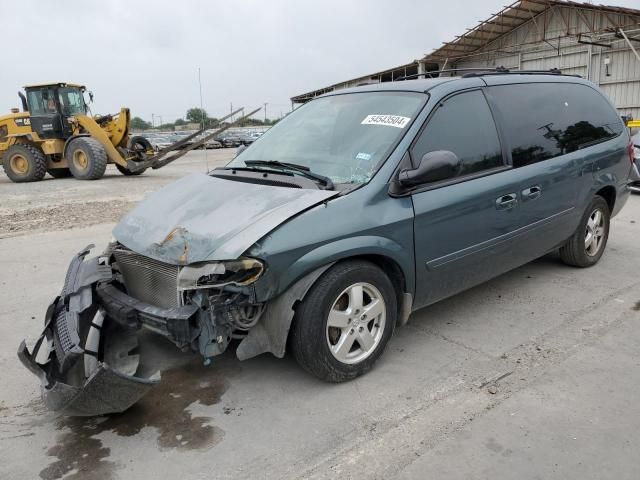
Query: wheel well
[[609, 194], [71, 139]]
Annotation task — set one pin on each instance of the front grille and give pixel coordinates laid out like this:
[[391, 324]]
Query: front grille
[[149, 280]]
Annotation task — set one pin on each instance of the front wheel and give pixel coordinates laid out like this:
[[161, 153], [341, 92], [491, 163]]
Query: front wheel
[[345, 321], [587, 244], [87, 158]]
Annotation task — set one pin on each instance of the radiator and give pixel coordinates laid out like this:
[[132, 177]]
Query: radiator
[[149, 280]]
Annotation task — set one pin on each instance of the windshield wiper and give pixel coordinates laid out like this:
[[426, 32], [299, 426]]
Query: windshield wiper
[[294, 167]]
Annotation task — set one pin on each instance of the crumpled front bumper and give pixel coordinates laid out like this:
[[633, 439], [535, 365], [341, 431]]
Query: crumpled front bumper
[[115, 380], [105, 391]]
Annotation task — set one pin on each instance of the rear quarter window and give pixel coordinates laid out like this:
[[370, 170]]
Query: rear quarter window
[[546, 120]]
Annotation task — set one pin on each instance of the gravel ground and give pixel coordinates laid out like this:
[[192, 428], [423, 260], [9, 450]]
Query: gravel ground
[[62, 217], [60, 204]]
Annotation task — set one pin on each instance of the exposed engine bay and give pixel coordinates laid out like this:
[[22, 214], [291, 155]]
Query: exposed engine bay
[[87, 355]]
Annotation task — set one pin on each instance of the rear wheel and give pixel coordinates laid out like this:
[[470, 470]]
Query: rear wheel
[[87, 158], [345, 321], [587, 244], [59, 172], [24, 163]]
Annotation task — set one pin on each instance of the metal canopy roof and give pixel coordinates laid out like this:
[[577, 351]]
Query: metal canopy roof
[[321, 91], [505, 21], [486, 32]]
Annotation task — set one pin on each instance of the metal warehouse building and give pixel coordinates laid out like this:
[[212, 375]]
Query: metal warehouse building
[[600, 43]]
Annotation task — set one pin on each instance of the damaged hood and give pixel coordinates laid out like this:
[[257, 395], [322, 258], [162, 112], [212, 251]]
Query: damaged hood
[[202, 218]]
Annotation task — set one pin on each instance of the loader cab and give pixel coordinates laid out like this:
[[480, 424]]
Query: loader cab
[[50, 106]]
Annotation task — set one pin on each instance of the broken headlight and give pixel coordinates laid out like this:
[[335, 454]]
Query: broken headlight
[[243, 271]]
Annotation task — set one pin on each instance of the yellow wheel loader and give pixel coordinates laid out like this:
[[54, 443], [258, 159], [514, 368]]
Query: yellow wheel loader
[[55, 133]]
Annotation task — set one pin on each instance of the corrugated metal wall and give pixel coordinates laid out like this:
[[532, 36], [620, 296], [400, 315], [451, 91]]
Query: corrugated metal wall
[[621, 81]]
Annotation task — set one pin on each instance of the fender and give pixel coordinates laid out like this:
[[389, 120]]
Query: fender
[[335, 251], [272, 331], [617, 184], [270, 334]]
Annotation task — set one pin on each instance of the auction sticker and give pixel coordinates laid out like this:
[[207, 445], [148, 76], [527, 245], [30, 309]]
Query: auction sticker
[[387, 120]]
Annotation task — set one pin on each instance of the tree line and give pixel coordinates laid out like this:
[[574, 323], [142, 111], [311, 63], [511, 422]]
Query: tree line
[[195, 115]]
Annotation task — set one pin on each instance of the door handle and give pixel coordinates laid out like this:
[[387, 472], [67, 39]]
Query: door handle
[[531, 193], [507, 202]]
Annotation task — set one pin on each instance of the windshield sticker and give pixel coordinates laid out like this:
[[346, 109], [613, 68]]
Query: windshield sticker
[[388, 120], [363, 156]]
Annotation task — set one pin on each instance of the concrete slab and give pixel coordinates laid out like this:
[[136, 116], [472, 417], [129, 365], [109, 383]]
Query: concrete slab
[[426, 398], [580, 420]]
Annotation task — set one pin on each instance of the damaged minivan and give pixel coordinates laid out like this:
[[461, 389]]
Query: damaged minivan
[[324, 235]]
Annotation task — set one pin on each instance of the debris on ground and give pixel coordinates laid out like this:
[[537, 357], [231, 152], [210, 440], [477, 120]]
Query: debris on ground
[[62, 217]]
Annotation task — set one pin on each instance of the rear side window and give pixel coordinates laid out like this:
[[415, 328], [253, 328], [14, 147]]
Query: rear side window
[[546, 120], [463, 125]]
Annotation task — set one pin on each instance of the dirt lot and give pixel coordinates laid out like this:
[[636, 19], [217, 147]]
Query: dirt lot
[[535, 374], [58, 204]]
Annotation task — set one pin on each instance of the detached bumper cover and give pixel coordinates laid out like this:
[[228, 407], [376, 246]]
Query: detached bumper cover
[[114, 383], [105, 391]]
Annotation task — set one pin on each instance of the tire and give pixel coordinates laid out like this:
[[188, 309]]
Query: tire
[[59, 172], [24, 163], [594, 224], [138, 146], [316, 344], [87, 158]]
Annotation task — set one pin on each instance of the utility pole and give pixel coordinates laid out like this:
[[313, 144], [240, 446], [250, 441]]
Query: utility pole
[[265, 112], [202, 126], [201, 107], [153, 121], [231, 111]]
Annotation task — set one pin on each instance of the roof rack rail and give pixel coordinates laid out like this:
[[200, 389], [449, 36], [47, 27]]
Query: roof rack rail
[[478, 72], [431, 73]]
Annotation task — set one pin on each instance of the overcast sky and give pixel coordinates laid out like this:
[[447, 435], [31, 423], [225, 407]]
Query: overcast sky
[[146, 54]]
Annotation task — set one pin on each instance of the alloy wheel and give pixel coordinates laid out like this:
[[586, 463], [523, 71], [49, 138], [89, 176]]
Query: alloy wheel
[[594, 233], [356, 321]]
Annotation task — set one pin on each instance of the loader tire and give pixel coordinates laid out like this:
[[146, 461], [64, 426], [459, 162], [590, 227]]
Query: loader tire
[[59, 172], [138, 146], [128, 173], [87, 158], [24, 163]]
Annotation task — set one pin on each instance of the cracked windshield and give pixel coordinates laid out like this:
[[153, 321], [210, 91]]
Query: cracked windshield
[[343, 137]]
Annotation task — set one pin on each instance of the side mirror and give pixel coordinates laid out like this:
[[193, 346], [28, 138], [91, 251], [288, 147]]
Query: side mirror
[[433, 167], [90, 96]]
